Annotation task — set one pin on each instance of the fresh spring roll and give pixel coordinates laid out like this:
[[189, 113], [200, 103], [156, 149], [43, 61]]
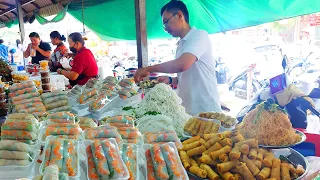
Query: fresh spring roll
[[129, 135], [235, 153], [226, 142], [120, 119], [244, 149], [162, 137], [62, 131], [12, 145], [15, 155], [63, 176], [173, 165], [62, 115], [20, 116], [191, 140], [206, 159], [185, 159], [92, 172], [114, 159], [51, 172], [18, 86], [48, 152], [159, 163], [18, 135], [196, 151], [215, 147], [187, 147], [94, 133], [28, 105], [33, 109], [53, 94], [25, 126], [100, 160], [129, 152], [275, 171], [252, 143], [253, 169], [225, 150], [198, 171], [214, 140], [264, 173], [253, 154], [150, 169], [244, 171], [210, 173], [59, 109], [25, 96], [285, 175], [226, 166], [54, 99], [120, 124], [30, 100], [128, 82], [57, 152], [57, 104], [68, 125], [70, 158], [268, 158], [224, 158], [9, 162], [74, 137]]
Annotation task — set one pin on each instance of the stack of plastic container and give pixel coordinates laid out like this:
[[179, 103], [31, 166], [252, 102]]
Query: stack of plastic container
[[45, 76]]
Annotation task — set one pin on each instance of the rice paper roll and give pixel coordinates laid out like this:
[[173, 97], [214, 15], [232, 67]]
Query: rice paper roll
[[101, 133], [62, 115], [25, 96], [23, 91], [33, 109], [100, 160], [150, 169], [53, 94], [129, 152], [62, 131], [92, 172], [18, 135], [128, 82], [172, 161], [59, 109], [70, 158], [20, 116], [120, 119], [48, 152], [55, 99], [28, 105], [15, 155], [63, 176], [162, 137], [159, 163], [51, 172], [67, 125], [25, 126], [11, 145], [30, 100], [9, 162], [57, 152], [129, 134], [30, 142], [18, 86], [57, 104]]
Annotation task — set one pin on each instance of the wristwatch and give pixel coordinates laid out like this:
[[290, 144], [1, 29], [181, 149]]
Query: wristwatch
[[170, 80]]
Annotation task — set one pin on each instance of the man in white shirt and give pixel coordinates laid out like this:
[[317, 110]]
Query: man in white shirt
[[194, 63]]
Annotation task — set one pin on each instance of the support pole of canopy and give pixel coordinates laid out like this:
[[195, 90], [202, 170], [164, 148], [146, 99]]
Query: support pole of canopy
[[20, 18], [141, 33]]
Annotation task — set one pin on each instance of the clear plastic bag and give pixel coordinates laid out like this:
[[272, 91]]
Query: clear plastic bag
[[92, 83], [98, 103], [75, 91], [130, 158], [87, 96], [127, 83], [119, 119], [61, 117], [23, 91], [126, 93], [19, 86], [162, 137]]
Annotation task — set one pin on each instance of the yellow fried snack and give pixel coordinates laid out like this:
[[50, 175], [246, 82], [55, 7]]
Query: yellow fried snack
[[253, 169], [193, 162], [235, 153], [261, 153], [226, 142], [214, 140], [227, 176], [237, 138], [185, 159], [275, 170], [226, 134], [210, 173], [244, 149], [253, 154], [207, 137], [215, 147], [264, 173], [226, 166], [206, 159], [244, 171], [191, 140], [238, 176], [252, 143], [285, 175], [192, 145], [267, 160], [196, 151], [257, 163], [198, 171], [225, 150], [223, 158], [300, 170]]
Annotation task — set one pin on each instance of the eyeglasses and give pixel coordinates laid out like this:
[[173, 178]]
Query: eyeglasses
[[167, 21]]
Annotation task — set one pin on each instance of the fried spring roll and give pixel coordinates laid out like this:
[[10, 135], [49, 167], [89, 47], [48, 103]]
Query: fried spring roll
[[244, 149], [207, 137], [275, 170], [226, 166], [235, 153], [268, 158], [253, 154], [210, 173], [225, 150], [215, 147], [192, 145], [244, 171], [264, 173], [223, 158], [214, 140], [185, 160], [206, 159], [252, 143], [198, 171], [191, 140], [238, 176], [226, 142], [272, 179], [226, 134], [227, 176], [191, 126], [202, 142], [196, 151], [285, 175], [193, 162], [196, 128], [237, 138], [253, 169], [261, 153], [300, 170]]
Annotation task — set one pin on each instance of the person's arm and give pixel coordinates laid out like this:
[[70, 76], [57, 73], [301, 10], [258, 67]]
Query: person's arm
[[68, 74], [26, 54], [44, 53]]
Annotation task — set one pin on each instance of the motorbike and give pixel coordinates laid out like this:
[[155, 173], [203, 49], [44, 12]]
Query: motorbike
[[222, 71]]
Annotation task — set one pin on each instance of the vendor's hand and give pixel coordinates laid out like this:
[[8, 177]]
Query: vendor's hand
[[141, 74], [163, 79], [35, 47]]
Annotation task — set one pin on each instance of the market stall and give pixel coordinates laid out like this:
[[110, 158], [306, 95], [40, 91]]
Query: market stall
[[142, 132]]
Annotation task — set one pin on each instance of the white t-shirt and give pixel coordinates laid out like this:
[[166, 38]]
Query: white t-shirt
[[197, 86]]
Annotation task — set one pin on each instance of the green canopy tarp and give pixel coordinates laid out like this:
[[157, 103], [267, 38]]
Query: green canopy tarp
[[115, 19]]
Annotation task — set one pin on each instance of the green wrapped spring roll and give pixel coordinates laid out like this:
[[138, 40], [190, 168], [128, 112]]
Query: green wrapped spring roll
[[162, 137], [20, 116], [18, 86], [101, 133], [9, 162], [25, 96], [33, 109], [55, 99], [60, 109], [129, 156], [119, 119], [23, 91], [57, 152], [63, 176], [100, 160], [92, 171], [70, 158], [15, 155], [18, 135], [51, 172], [28, 105], [30, 100], [18, 125], [47, 154], [112, 153], [52, 94], [159, 164], [172, 161], [57, 104], [62, 131], [62, 115], [11, 145], [30, 142]]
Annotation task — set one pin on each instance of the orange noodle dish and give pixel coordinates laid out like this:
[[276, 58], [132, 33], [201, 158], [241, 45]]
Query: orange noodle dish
[[270, 125]]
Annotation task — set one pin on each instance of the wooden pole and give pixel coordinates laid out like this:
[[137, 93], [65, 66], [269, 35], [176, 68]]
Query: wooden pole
[[20, 18], [141, 33]]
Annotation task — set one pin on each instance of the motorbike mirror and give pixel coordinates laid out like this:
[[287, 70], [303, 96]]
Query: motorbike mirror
[[315, 93]]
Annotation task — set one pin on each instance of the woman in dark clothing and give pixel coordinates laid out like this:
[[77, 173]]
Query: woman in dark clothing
[[61, 50]]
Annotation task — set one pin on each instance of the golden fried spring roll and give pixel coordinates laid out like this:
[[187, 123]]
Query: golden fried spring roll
[[210, 173], [238, 176], [223, 158], [261, 153], [206, 159], [198, 171], [275, 170], [207, 137], [292, 171], [226, 166], [202, 142], [252, 143], [244, 149], [189, 123], [264, 173], [300, 170], [227, 176], [234, 170], [215, 147], [253, 154], [253, 169], [196, 127], [191, 140], [226, 142], [257, 163], [202, 127], [214, 140], [185, 159], [208, 128], [225, 150], [285, 175], [226, 134], [215, 127], [267, 160], [244, 171], [193, 162], [196, 151], [235, 153], [271, 179], [197, 159], [192, 145], [237, 138]]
